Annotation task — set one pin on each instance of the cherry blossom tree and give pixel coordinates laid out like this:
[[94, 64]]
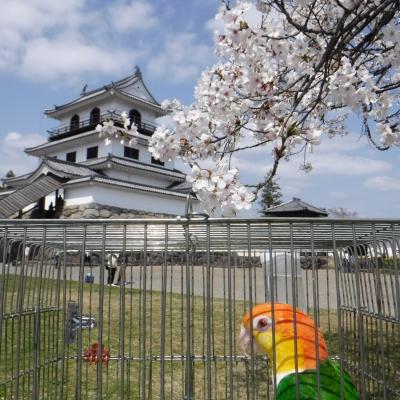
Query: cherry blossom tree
[[290, 72]]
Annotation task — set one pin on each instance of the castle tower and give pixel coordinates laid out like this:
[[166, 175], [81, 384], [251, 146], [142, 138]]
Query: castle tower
[[91, 179]]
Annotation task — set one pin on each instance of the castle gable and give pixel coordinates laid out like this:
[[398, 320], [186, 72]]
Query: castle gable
[[131, 87]]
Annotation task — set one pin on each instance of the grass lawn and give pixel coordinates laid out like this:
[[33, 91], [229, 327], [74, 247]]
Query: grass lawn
[[33, 345], [135, 368]]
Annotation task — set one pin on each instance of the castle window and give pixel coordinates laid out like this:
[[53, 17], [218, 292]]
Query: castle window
[[130, 152], [71, 157], [91, 152], [74, 124], [157, 162], [95, 116], [134, 116]]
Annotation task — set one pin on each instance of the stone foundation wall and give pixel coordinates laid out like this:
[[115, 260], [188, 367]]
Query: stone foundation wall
[[94, 210]]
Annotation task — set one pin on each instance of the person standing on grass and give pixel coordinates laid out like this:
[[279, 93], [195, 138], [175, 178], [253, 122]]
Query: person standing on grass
[[112, 260]]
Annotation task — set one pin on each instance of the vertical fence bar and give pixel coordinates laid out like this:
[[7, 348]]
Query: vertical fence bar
[[339, 311], [20, 302], [208, 314], [57, 323], [150, 319], [188, 366], [163, 314], [230, 313], [2, 287], [315, 308], [101, 314], [122, 283], [36, 359], [144, 314], [250, 283], [294, 302], [37, 344], [272, 297], [266, 277], [64, 308], [78, 387], [380, 316], [182, 314], [286, 279], [130, 369], [361, 347]]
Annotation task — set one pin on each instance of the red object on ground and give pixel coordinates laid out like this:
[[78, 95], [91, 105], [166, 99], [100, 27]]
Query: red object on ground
[[91, 354]]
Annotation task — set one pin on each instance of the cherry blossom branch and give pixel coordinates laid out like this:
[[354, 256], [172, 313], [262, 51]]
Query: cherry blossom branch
[[289, 79]]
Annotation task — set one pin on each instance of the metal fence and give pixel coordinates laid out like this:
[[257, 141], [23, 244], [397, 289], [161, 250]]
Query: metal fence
[[140, 309]]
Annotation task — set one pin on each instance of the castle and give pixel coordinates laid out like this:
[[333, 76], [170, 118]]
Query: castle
[[81, 176]]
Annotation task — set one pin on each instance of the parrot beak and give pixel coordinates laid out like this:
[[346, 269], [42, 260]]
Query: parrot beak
[[246, 342]]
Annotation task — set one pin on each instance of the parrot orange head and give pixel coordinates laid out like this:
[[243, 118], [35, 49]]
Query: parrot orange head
[[283, 332]]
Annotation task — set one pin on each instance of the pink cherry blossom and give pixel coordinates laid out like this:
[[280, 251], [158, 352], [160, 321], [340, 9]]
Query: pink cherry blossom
[[289, 74]]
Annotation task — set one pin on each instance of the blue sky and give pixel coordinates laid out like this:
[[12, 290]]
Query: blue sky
[[50, 49]]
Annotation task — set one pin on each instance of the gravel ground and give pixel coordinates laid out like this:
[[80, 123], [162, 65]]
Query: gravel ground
[[373, 287]]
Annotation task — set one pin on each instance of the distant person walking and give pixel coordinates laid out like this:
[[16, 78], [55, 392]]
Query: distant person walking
[[88, 258], [27, 253], [346, 263], [57, 259]]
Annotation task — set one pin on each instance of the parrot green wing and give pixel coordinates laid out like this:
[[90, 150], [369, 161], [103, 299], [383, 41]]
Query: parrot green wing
[[330, 384]]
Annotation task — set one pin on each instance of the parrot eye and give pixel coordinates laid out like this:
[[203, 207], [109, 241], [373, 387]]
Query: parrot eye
[[262, 323]]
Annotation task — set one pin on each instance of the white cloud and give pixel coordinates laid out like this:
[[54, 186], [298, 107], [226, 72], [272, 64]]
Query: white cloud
[[62, 41], [136, 16], [324, 164], [336, 174], [338, 195], [213, 25], [382, 183], [347, 165], [342, 143], [70, 56], [22, 20], [33, 17], [183, 58], [18, 141], [12, 154], [51, 40]]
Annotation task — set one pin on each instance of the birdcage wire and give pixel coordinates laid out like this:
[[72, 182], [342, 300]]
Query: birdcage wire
[[171, 329]]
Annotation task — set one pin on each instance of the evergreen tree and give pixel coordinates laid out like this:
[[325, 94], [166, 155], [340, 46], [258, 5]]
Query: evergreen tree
[[270, 195]]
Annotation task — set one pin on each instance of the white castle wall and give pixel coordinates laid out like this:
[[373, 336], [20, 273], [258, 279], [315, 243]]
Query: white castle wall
[[138, 200], [115, 148], [81, 150]]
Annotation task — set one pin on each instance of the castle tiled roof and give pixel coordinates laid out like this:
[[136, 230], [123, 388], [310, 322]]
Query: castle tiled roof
[[172, 174], [28, 194], [295, 205], [53, 174], [60, 168], [131, 87], [106, 180]]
